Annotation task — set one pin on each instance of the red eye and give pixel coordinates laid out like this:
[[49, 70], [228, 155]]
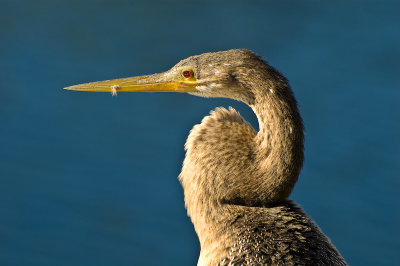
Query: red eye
[[187, 74]]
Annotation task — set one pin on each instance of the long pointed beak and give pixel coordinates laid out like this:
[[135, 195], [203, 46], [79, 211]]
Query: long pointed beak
[[163, 82]]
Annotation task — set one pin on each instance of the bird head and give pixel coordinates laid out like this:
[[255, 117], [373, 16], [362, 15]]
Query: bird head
[[227, 74]]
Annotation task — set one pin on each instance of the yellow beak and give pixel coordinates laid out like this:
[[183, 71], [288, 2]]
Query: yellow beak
[[163, 82]]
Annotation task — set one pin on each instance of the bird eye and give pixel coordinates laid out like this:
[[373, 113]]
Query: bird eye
[[187, 74]]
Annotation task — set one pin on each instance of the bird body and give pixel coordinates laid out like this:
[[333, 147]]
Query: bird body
[[236, 181], [234, 228]]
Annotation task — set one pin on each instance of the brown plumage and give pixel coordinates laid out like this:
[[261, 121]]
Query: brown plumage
[[236, 181]]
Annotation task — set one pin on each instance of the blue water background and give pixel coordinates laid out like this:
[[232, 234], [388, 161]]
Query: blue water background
[[90, 179]]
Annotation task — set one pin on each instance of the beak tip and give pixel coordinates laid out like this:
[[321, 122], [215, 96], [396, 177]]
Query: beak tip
[[74, 88], [69, 88]]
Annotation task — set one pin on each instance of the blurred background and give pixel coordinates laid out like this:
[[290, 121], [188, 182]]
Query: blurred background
[[90, 179]]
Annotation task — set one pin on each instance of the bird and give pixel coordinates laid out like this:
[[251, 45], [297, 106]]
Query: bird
[[237, 180]]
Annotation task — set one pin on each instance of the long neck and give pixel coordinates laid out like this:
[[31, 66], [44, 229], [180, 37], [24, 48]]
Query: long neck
[[279, 142]]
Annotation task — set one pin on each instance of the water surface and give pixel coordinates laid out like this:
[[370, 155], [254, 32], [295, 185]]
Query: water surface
[[90, 179]]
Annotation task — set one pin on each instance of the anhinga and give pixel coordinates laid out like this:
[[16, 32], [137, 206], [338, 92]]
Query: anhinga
[[236, 181]]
